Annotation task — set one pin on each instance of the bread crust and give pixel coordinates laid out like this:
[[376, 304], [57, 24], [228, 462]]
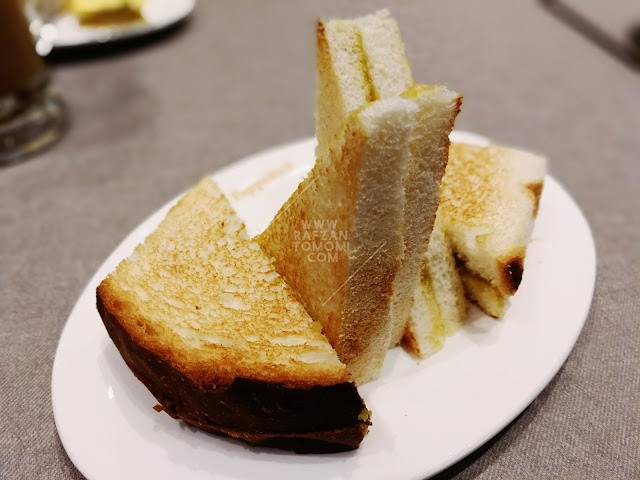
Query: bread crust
[[319, 419], [511, 267], [535, 189]]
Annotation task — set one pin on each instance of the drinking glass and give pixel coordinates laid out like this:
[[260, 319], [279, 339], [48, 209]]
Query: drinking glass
[[32, 114]]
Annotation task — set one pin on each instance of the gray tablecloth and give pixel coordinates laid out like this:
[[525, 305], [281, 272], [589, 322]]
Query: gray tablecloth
[[149, 121]]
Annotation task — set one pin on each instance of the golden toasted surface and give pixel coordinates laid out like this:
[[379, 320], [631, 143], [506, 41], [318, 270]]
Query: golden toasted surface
[[206, 299], [309, 237], [469, 192], [488, 200]]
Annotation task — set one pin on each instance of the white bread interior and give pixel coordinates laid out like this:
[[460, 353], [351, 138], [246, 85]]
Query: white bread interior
[[388, 69]]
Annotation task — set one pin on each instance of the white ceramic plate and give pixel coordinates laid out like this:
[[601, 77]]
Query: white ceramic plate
[[426, 415], [65, 31]]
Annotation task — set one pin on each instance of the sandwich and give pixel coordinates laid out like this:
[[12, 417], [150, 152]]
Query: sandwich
[[338, 240], [202, 318], [489, 201], [359, 62], [363, 60], [428, 159]]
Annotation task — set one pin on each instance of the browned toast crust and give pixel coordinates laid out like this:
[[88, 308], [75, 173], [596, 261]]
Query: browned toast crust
[[535, 188], [511, 269], [319, 419]]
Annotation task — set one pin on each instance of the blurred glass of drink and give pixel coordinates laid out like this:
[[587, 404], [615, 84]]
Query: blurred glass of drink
[[32, 115]]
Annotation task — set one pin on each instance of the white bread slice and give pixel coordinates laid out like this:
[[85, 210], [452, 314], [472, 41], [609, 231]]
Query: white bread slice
[[489, 200], [429, 151], [388, 69], [349, 212], [203, 319], [439, 307], [358, 61]]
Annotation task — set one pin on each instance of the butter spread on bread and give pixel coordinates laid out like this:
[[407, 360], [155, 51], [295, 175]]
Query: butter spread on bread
[[440, 307]]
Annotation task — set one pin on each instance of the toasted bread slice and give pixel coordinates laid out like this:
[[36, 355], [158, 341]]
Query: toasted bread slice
[[440, 306], [489, 200], [362, 60], [338, 240], [358, 61], [439, 107], [203, 319], [490, 197]]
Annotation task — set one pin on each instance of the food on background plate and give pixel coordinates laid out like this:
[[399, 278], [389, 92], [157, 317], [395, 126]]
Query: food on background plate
[[202, 318], [103, 12]]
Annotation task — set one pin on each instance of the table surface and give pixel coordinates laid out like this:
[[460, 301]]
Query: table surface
[[149, 120]]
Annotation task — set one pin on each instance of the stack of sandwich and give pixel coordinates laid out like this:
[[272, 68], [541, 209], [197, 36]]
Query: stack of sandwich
[[256, 339]]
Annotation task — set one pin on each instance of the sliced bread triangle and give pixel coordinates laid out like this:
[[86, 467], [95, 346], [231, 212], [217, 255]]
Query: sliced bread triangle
[[202, 318], [489, 200], [338, 240]]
